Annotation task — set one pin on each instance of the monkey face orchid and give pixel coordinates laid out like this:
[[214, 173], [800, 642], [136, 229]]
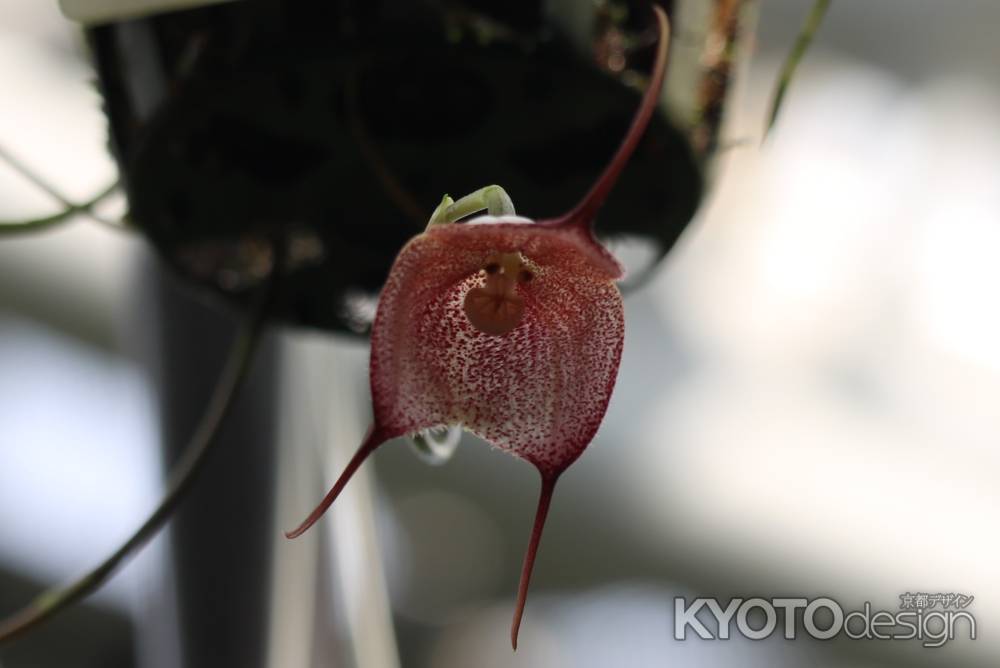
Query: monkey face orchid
[[511, 328]]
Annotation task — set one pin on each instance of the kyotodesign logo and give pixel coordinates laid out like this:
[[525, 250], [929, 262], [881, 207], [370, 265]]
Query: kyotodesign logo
[[932, 619]]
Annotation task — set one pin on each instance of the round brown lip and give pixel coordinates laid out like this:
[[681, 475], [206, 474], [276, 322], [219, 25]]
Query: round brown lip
[[492, 313]]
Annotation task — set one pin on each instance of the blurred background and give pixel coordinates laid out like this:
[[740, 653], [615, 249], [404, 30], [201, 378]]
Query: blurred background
[[806, 404]]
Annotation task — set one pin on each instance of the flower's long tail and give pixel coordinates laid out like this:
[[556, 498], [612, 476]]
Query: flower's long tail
[[544, 499], [372, 440]]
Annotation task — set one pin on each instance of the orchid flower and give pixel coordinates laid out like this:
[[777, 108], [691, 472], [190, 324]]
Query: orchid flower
[[507, 327]]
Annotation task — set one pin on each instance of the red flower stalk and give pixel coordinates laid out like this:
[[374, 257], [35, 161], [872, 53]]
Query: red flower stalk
[[511, 328]]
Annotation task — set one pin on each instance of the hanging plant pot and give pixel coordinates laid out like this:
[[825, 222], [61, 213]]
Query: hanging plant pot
[[338, 127]]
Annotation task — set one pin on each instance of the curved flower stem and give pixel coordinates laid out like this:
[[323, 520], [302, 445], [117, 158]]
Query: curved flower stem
[[54, 601], [394, 189], [805, 38], [69, 209], [583, 214]]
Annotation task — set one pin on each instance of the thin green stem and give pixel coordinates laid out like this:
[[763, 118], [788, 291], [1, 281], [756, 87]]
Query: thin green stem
[[27, 172], [33, 225], [805, 38], [205, 436], [69, 210]]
